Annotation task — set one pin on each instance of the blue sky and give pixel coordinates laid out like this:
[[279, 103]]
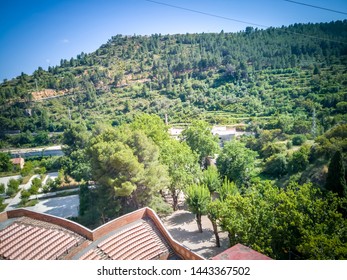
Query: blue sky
[[37, 33]]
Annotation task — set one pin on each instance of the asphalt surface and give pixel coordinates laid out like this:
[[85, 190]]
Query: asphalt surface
[[64, 207]]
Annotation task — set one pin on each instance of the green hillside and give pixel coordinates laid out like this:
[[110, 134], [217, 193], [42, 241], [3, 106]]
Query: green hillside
[[223, 78]]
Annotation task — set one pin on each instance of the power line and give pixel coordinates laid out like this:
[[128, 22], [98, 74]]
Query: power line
[[317, 7], [208, 14], [241, 21]]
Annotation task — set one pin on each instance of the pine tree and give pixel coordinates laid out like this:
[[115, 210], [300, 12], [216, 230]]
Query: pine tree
[[336, 181]]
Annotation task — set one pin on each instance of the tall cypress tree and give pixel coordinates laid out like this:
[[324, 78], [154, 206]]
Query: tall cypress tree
[[336, 181]]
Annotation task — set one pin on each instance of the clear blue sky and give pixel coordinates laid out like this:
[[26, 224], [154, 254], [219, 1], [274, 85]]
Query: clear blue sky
[[37, 33]]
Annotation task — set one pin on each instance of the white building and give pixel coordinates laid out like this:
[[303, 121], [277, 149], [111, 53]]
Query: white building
[[224, 133]]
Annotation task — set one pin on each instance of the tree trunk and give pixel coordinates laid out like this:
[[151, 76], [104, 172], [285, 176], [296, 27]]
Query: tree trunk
[[135, 201], [198, 221], [215, 231], [174, 200]]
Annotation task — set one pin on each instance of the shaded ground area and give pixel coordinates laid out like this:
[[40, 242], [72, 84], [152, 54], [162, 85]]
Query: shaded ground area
[[183, 228], [64, 207]]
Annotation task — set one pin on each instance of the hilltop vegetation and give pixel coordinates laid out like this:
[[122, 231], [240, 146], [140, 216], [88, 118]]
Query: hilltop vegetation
[[222, 78]]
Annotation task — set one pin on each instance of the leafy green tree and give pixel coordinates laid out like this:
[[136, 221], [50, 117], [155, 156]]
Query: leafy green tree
[[27, 169], [152, 125], [198, 199], [298, 140], [89, 214], [41, 138], [336, 181], [12, 187], [238, 217], [276, 165], [236, 162], [227, 188], [285, 223], [332, 141], [79, 165], [182, 166], [126, 164], [299, 160], [5, 162], [210, 178], [25, 195], [271, 149], [75, 137], [213, 213], [36, 184], [76, 141], [118, 77], [199, 138]]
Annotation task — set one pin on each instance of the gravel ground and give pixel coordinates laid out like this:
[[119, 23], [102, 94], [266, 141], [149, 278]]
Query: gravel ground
[[183, 228]]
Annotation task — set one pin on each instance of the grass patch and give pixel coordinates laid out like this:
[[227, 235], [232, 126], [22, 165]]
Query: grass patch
[[26, 179], [61, 194], [9, 173], [29, 203]]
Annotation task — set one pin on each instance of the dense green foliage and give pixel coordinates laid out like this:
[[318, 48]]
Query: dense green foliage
[[12, 187], [210, 178], [336, 181], [236, 162], [292, 223], [199, 138], [198, 198], [5, 163], [182, 165]]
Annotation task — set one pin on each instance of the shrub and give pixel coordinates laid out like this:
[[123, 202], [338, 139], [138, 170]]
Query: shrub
[[25, 195], [299, 139], [12, 187], [289, 144], [276, 165], [2, 188]]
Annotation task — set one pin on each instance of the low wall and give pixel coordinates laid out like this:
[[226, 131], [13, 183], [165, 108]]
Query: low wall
[[179, 249], [3, 216], [52, 219], [118, 222]]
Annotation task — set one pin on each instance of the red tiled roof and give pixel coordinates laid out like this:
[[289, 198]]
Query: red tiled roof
[[17, 160], [139, 235], [23, 241], [240, 252]]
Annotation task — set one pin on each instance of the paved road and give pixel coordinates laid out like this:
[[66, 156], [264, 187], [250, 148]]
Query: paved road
[[64, 207], [29, 152], [4, 180], [50, 176], [13, 202]]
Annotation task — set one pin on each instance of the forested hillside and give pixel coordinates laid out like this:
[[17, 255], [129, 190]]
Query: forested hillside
[[295, 73]]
